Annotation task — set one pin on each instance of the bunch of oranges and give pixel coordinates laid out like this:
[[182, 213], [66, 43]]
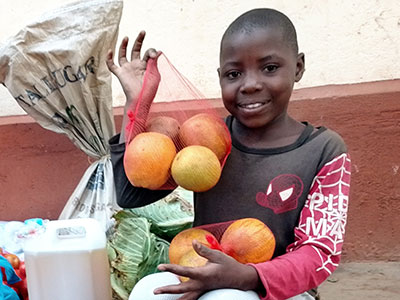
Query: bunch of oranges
[[247, 240], [190, 155]]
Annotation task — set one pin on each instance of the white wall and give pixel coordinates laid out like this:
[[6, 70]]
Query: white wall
[[344, 41]]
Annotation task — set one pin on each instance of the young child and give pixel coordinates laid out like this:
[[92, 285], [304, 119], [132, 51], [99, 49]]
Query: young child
[[292, 176]]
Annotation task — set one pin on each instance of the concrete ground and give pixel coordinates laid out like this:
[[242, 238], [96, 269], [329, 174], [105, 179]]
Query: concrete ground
[[364, 280]]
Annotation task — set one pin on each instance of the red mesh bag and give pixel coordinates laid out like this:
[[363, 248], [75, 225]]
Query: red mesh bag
[[174, 135], [248, 240]]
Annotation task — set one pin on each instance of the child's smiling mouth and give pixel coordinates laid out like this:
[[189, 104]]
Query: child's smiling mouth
[[253, 106]]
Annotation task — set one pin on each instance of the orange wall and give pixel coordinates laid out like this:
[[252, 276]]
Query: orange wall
[[40, 169]]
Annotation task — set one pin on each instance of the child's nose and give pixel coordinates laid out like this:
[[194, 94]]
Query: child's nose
[[251, 84]]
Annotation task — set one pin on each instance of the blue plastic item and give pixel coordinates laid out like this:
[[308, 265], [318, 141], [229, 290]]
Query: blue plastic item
[[6, 269]]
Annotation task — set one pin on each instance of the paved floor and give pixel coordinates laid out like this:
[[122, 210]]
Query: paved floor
[[364, 281]]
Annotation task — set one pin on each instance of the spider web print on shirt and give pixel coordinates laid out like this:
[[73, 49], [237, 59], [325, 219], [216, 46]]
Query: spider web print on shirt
[[323, 219]]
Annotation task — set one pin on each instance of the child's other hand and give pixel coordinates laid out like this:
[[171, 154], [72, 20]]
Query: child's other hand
[[130, 73], [221, 271]]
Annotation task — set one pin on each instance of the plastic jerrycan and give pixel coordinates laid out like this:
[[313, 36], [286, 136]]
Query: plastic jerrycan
[[68, 262]]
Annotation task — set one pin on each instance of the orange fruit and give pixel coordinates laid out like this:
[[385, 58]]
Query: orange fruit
[[148, 159], [182, 242], [191, 259], [196, 168], [165, 125], [206, 130], [13, 260], [248, 241]]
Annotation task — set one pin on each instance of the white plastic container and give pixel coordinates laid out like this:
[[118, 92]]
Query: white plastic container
[[68, 262]]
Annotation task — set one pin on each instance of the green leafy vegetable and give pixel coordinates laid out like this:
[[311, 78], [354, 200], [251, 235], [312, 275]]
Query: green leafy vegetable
[[139, 239]]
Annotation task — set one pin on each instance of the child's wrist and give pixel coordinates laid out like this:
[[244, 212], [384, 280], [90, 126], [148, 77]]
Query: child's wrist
[[128, 103], [130, 94], [251, 280], [129, 100]]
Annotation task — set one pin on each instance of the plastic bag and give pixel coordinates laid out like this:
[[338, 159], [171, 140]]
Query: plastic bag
[[8, 278], [188, 122], [55, 69]]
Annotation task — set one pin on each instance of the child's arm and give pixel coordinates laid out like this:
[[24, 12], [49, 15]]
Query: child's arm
[[315, 254], [130, 73]]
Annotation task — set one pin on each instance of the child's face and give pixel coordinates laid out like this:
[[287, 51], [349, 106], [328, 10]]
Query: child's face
[[257, 73]]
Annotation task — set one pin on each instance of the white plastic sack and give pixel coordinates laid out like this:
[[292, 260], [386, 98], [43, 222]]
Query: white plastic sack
[[55, 69], [94, 197]]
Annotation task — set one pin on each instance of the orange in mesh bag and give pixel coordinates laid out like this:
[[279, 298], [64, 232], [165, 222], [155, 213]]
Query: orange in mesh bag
[[185, 144], [247, 240]]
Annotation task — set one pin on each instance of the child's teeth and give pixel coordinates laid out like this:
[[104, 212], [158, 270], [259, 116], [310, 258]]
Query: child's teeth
[[250, 106]]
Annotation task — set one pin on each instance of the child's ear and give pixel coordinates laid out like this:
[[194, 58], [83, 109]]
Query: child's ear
[[300, 67]]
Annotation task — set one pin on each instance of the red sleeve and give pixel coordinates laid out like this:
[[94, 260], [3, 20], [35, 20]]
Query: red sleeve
[[315, 254]]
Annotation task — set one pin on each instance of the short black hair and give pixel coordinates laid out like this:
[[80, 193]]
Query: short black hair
[[264, 18]]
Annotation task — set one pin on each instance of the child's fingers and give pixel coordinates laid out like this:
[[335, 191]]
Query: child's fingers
[[169, 268], [191, 272], [211, 254], [110, 62], [150, 53], [122, 51], [137, 46], [183, 287]]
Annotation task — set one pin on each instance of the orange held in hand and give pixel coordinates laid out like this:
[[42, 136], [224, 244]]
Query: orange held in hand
[[148, 159], [182, 242], [196, 168], [248, 241], [206, 130]]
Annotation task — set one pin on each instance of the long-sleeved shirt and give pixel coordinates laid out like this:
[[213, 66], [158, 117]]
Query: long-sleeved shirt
[[300, 191]]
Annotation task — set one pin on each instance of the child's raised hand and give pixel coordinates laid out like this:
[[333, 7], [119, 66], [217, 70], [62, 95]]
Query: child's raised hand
[[130, 73], [221, 271]]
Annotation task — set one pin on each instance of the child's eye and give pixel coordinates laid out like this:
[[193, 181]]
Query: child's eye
[[233, 74], [270, 68]]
